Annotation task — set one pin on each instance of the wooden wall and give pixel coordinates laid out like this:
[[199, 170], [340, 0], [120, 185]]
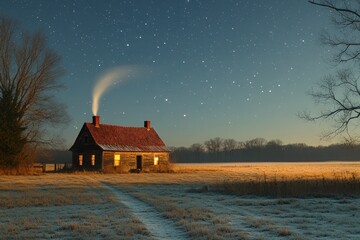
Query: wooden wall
[[128, 161], [104, 161], [87, 160]]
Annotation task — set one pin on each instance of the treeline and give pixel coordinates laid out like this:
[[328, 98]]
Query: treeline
[[261, 150]]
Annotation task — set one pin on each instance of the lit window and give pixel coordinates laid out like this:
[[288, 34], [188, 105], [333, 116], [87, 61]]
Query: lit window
[[93, 160], [80, 160], [156, 160], [117, 160]]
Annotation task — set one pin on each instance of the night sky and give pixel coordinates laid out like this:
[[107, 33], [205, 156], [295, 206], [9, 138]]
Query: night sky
[[206, 68]]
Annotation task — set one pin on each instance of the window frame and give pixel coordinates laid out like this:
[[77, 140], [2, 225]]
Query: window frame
[[93, 159], [117, 161], [81, 159], [156, 160]]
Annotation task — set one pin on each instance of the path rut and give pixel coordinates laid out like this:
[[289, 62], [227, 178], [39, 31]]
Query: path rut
[[158, 226]]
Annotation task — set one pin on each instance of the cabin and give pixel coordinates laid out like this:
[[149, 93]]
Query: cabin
[[110, 148]]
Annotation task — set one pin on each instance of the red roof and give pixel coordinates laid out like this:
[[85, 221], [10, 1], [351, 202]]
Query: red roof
[[121, 138]]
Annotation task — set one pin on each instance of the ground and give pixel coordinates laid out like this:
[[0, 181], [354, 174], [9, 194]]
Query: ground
[[180, 205]]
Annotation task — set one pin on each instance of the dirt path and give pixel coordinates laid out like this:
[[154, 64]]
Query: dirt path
[[158, 226]]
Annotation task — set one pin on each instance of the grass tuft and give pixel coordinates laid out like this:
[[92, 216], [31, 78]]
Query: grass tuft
[[20, 170], [324, 187], [283, 232], [199, 222]]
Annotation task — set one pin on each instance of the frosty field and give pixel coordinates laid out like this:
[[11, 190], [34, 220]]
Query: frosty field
[[180, 205]]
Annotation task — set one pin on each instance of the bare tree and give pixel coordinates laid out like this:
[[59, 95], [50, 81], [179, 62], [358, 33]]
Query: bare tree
[[339, 94], [28, 82], [213, 145], [229, 145], [346, 19], [274, 143], [197, 148], [240, 145], [255, 143]]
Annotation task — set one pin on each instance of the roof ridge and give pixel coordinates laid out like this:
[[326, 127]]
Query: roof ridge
[[134, 138], [111, 125]]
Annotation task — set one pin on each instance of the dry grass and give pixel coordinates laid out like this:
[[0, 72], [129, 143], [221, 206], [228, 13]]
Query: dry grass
[[268, 225], [86, 225], [134, 226], [120, 224], [199, 222], [194, 214], [64, 207], [21, 170], [61, 206], [324, 187], [254, 171], [50, 195], [161, 168]]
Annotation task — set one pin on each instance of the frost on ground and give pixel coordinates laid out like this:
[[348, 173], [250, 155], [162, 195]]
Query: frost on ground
[[266, 218], [159, 227], [65, 206]]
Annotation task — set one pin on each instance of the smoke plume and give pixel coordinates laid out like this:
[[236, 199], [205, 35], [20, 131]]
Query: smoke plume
[[119, 74]]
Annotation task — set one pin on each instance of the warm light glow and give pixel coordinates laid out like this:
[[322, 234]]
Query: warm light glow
[[117, 160], [156, 160], [80, 160], [93, 160]]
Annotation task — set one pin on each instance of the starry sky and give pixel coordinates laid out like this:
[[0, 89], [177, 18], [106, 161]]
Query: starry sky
[[231, 69]]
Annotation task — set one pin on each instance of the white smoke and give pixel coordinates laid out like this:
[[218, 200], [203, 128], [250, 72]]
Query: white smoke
[[119, 74]]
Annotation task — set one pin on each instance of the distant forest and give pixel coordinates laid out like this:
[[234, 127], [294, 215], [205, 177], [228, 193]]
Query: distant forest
[[229, 150], [261, 150]]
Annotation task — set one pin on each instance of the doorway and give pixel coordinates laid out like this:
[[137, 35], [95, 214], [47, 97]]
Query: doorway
[[139, 162]]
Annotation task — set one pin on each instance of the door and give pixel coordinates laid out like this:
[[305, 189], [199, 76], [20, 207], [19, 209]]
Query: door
[[139, 162]]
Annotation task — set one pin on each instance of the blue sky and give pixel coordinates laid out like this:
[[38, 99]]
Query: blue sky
[[230, 69]]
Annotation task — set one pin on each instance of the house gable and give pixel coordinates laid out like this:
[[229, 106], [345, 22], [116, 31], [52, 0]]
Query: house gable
[[84, 140]]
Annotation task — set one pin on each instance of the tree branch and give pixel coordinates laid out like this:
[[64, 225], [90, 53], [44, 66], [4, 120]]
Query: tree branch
[[332, 6]]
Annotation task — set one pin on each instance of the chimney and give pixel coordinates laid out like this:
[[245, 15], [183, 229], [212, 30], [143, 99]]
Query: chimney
[[96, 121], [147, 124]]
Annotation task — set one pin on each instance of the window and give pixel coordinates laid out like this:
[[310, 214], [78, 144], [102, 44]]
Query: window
[[156, 160], [80, 160], [116, 159], [93, 160]]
